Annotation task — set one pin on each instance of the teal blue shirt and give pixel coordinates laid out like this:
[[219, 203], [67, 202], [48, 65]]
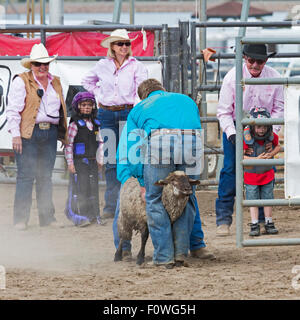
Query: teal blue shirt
[[160, 110]]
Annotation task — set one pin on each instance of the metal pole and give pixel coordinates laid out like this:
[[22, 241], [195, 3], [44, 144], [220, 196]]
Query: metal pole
[[184, 55], [239, 141], [165, 53], [132, 11], [174, 59], [28, 16], [263, 81], [43, 20], [56, 12], [32, 14], [244, 16], [193, 62], [203, 108], [117, 10], [271, 242], [264, 40]]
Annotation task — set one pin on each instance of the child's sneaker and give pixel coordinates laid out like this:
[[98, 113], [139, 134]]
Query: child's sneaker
[[255, 230], [270, 228], [101, 221]]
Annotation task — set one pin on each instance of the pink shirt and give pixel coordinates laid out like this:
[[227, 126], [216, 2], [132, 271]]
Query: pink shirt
[[269, 97], [50, 105], [115, 87]]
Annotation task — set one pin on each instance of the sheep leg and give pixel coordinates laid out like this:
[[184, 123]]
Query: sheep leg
[[118, 254], [141, 255]]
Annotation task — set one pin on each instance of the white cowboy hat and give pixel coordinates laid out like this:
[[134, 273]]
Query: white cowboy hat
[[38, 54], [118, 34]]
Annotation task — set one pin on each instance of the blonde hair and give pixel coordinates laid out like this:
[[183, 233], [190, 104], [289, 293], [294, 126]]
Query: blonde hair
[[111, 52]]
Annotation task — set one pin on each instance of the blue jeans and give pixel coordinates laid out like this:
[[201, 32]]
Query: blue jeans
[[255, 192], [169, 241], [36, 162], [197, 235], [111, 120], [226, 190]]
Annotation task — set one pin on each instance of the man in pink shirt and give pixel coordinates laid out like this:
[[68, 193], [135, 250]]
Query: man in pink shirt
[[269, 97]]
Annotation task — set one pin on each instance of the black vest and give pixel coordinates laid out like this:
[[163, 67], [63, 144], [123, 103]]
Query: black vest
[[85, 142]]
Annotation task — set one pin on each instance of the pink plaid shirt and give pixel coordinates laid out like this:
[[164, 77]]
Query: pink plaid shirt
[[269, 97], [72, 132]]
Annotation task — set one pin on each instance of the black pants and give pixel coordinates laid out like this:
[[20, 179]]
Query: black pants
[[84, 189]]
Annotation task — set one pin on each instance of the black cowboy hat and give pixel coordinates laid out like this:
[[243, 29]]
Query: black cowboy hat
[[257, 51]]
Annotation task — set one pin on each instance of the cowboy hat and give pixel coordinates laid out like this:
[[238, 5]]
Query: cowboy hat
[[38, 54], [257, 51], [116, 35]]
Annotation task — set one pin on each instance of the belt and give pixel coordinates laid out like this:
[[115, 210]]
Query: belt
[[45, 125], [192, 132], [116, 107]]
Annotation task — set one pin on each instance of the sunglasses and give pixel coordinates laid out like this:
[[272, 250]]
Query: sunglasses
[[258, 61], [38, 64], [121, 44]]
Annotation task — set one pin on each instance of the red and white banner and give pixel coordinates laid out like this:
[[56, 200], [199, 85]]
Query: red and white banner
[[74, 44]]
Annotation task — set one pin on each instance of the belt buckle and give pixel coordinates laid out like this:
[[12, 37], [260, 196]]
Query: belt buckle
[[44, 125]]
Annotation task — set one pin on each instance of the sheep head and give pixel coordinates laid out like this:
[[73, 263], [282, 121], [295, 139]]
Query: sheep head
[[180, 182]]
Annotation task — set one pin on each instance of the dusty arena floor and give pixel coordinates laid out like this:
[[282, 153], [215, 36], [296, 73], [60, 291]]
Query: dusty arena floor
[[74, 263]]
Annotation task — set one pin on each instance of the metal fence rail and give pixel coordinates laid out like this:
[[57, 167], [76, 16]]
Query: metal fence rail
[[240, 121]]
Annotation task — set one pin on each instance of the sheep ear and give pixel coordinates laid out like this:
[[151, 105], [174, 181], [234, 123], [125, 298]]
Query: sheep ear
[[160, 183], [194, 182]]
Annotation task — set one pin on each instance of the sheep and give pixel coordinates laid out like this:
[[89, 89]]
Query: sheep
[[177, 187]]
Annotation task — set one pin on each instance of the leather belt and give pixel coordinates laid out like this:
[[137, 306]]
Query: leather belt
[[192, 132], [116, 107]]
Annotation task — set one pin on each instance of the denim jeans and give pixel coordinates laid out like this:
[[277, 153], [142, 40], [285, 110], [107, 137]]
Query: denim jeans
[[226, 190], [169, 241], [36, 163], [255, 192], [197, 235], [111, 120]]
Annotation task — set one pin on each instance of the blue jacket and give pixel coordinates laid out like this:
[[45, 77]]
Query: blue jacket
[[160, 110]]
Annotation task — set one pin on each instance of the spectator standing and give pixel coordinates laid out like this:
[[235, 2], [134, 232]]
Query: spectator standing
[[36, 118], [269, 97], [114, 82]]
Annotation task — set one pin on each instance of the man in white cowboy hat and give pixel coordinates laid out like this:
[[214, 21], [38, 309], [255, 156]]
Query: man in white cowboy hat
[[114, 82], [36, 118], [269, 97]]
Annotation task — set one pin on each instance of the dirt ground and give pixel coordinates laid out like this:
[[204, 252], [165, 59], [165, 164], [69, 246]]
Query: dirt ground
[[77, 263]]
